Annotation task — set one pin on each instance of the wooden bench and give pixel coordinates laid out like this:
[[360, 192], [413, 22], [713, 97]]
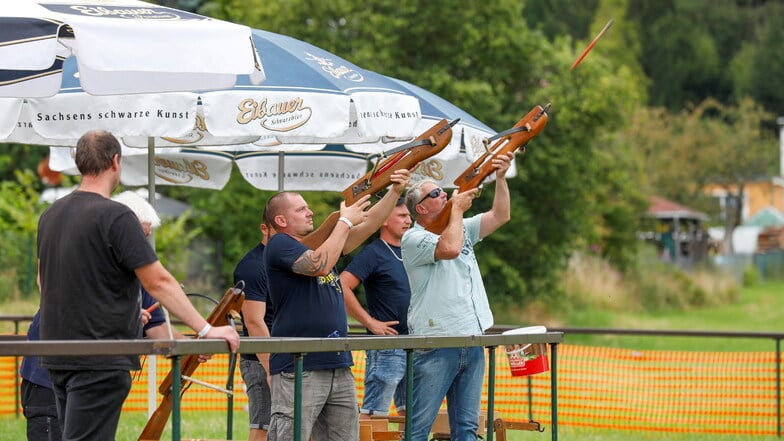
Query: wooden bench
[[440, 430], [377, 429]]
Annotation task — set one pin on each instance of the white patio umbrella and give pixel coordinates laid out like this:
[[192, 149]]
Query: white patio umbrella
[[326, 88], [310, 96], [267, 167], [124, 46]]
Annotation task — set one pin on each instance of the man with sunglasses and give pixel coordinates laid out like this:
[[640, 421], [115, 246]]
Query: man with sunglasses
[[448, 298]]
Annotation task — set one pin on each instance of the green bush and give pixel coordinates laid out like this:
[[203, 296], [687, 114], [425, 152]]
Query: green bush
[[18, 266], [751, 276], [19, 213]]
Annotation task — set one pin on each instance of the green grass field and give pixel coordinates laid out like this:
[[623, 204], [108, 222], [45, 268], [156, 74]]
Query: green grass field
[[212, 426], [757, 309]]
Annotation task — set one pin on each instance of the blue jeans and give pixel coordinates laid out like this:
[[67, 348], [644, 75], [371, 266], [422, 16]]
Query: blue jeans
[[454, 373], [385, 374]]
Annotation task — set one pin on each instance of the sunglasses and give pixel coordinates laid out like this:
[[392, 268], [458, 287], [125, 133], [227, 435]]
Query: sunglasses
[[434, 193]]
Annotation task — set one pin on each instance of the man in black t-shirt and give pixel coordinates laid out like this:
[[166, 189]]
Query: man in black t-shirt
[[92, 253]]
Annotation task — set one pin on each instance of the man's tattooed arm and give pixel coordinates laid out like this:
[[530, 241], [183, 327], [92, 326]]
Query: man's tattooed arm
[[312, 263]]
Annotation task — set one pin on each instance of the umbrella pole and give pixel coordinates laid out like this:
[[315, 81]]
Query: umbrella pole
[[281, 169], [151, 177], [152, 371]]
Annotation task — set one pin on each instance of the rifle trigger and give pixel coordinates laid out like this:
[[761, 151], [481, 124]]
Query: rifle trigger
[[486, 144]]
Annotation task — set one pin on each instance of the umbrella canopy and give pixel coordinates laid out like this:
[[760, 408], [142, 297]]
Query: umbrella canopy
[[124, 46], [332, 168], [310, 96], [266, 168]]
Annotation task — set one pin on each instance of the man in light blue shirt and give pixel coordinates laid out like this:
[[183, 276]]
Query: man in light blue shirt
[[448, 298]]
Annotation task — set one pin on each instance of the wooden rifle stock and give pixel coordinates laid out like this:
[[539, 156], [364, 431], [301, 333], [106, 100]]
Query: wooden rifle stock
[[509, 141], [424, 146], [230, 305]]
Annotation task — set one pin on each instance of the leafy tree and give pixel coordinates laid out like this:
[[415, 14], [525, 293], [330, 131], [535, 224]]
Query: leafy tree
[[622, 44], [684, 64], [15, 157], [765, 79], [19, 213], [557, 18], [744, 151]]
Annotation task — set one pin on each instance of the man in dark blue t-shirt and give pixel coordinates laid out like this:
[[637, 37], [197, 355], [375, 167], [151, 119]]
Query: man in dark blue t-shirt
[[305, 289], [379, 267], [256, 315]]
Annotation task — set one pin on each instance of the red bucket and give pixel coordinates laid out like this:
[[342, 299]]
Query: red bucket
[[527, 359]]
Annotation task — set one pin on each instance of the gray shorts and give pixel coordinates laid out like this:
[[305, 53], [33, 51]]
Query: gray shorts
[[329, 406], [259, 402]]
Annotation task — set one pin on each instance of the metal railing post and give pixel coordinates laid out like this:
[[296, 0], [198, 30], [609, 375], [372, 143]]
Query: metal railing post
[[778, 387], [230, 396], [298, 363], [409, 392], [17, 392], [554, 390], [491, 393], [176, 385], [530, 398]]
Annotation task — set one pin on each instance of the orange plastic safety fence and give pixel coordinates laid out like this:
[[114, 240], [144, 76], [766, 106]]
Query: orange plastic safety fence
[[665, 391], [8, 380]]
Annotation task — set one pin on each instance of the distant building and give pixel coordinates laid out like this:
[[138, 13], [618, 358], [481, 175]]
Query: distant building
[[677, 230], [758, 195]]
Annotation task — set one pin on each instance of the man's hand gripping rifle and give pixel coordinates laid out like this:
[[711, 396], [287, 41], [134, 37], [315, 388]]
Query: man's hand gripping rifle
[[505, 142], [224, 313], [406, 156]]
